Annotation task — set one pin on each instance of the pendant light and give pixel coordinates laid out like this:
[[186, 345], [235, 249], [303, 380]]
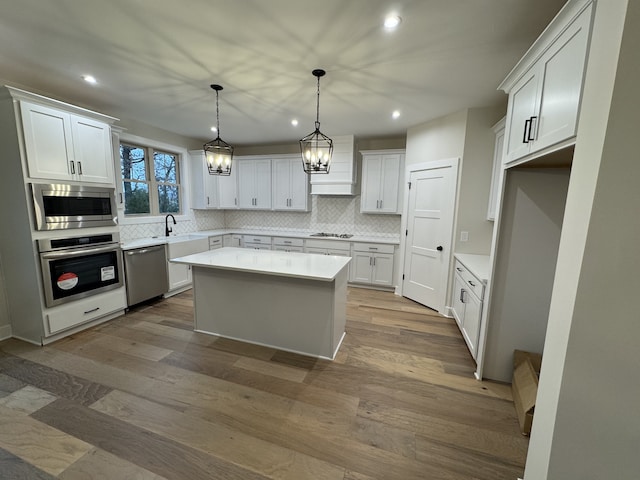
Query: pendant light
[[218, 153], [316, 148]]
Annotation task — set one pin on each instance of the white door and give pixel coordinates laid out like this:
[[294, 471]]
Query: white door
[[429, 229]]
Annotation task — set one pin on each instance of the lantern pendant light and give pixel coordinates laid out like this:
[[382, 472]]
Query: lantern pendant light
[[218, 153], [316, 148]]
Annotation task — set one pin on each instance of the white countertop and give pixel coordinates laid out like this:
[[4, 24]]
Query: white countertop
[[269, 262], [149, 241], [477, 264]]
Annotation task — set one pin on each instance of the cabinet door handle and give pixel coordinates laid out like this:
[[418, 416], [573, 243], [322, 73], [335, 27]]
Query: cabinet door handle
[[73, 167], [374, 261], [207, 199], [532, 128], [527, 126], [80, 168], [120, 197], [380, 204], [462, 295]]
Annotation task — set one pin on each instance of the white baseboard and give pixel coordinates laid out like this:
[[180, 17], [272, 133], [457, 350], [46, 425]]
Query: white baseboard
[[5, 332]]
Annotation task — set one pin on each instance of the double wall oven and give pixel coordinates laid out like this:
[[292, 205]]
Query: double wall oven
[[75, 262]]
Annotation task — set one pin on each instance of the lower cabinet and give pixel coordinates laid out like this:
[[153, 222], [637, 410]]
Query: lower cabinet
[[232, 240], [180, 275], [283, 244], [81, 311], [257, 242], [468, 292], [372, 264]]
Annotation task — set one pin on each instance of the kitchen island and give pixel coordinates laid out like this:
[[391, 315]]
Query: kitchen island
[[286, 300]]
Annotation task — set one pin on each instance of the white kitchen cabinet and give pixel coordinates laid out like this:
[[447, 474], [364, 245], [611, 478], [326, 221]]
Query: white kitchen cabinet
[[254, 183], [211, 191], [498, 150], [290, 184], [180, 275], [545, 89], [342, 176], [285, 244], [84, 310], [232, 240], [328, 247], [257, 242], [372, 264], [381, 181], [466, 305], [63, 146], [215, 242]]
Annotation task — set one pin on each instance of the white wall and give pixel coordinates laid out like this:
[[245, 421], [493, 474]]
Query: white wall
[[530, 225], [436, 140], [5, 324], [587, 419]]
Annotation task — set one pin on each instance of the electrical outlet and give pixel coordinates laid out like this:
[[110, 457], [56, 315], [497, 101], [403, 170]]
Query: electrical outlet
[[464, 236]]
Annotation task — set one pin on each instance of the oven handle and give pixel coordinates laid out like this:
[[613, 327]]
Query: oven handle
[[80, 251]]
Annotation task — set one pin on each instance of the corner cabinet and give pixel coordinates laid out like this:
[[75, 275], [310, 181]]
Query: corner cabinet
[[381, 181], [254, 183], [545, 87], [211, 191], [63, 146], [290, 184]]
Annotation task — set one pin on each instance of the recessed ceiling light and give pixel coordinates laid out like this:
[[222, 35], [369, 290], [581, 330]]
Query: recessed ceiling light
[[90, 79], [391, 22], [214, 129], [294, 122], [395, 114]]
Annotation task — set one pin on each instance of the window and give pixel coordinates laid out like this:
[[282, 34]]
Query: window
[[150, 180]]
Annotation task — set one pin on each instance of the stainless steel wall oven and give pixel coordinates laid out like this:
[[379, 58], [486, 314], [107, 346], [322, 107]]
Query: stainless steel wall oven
[[62, 206], [77, 267]]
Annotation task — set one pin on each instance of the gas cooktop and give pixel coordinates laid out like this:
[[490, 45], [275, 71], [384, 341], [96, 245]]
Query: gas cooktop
[[334, 235]]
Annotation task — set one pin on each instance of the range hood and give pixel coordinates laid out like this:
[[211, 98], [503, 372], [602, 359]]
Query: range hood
[[342, 176]]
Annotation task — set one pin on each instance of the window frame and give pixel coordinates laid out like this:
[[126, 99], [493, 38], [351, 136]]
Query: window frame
[[152, 146]]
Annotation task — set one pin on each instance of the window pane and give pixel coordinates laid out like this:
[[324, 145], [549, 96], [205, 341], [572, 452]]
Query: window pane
[[132, 163], [169, 198], [165, 167], [136, 198]]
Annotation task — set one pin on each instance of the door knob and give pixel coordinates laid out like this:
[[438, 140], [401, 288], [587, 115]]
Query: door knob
[[439, 248]]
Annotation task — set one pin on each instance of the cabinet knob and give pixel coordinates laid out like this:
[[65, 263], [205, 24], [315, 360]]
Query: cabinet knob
[[439, 248]]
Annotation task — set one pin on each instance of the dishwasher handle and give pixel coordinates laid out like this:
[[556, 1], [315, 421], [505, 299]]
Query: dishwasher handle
[[140, 251]]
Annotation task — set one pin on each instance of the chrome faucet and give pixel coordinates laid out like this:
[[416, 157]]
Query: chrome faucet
[[167, 229]]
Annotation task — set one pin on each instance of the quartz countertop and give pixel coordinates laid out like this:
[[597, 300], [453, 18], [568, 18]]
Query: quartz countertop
[[160, 240], [476, 264], [269, 262]]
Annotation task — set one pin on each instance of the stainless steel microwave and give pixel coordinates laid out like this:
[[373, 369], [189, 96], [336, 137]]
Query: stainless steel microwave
[[63, 206]]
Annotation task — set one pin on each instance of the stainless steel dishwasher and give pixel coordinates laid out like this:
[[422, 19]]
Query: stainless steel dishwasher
[[145, 273]]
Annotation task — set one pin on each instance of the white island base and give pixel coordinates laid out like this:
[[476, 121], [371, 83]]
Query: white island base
[[285, 300]]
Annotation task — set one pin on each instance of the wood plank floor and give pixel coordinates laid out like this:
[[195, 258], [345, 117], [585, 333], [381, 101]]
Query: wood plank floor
[[145, 397]]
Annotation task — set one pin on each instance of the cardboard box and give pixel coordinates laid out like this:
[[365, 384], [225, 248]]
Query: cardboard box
[[526, 370]]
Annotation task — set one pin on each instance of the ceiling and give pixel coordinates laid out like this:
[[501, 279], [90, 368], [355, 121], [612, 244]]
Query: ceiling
[[155, 59]]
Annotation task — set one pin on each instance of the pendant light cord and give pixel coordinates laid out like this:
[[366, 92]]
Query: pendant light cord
[[217, 115], [318, 106]]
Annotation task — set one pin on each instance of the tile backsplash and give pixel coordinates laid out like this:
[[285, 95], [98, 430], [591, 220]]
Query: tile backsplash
[[328, 214]]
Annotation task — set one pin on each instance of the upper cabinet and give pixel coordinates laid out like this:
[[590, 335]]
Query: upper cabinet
[[290, 184], [341, 179], [545, 87], [381, 181], [211, 191], [64, 146], [254, 183]]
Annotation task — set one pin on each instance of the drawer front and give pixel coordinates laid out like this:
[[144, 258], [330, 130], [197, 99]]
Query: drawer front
[[287, 248], [85, 310], [373, 247], [329, 244], [215, 242], [257, 246], [257, 239], [470, 280], [288, 242]]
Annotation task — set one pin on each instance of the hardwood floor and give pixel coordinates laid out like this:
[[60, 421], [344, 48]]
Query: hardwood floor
[[144, 397]]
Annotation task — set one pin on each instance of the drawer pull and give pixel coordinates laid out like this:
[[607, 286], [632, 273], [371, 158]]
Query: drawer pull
[[471, 283], [92, 310], [287, 242], [458, 269], [373, 248]]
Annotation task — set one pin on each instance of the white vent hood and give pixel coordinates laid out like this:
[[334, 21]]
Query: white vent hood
[[342, 176]]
